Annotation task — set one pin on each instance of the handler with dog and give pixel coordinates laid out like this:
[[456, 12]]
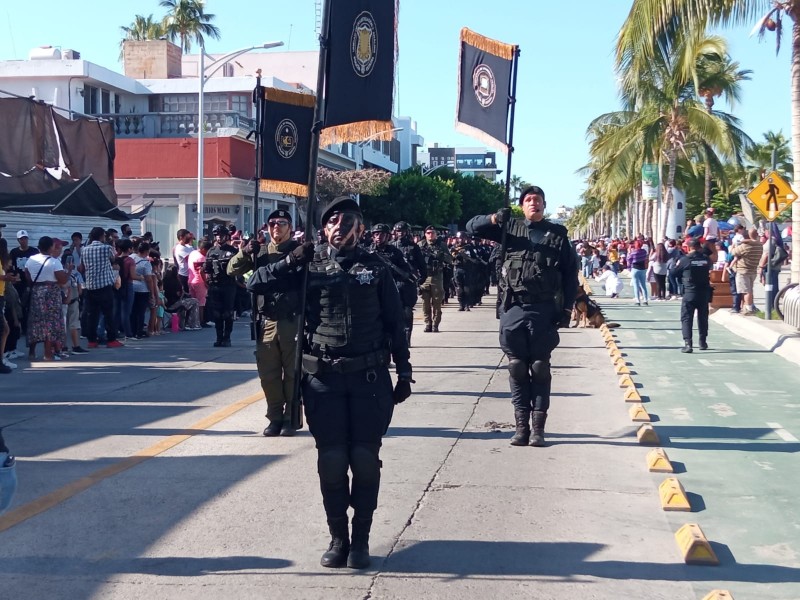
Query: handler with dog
[[538, 282]]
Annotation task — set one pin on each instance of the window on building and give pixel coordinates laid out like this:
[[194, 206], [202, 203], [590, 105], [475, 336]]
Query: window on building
[[180, 103], [106, 101], [117, 103], [241, 104], [90, 99], [680, 205]]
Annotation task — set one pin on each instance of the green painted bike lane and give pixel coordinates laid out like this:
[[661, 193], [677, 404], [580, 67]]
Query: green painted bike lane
[[729, 419]]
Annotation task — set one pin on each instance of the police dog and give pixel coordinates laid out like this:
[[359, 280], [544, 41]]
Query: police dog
[[587, 313]]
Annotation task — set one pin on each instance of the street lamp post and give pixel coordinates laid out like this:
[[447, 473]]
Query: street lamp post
[[213, 67]]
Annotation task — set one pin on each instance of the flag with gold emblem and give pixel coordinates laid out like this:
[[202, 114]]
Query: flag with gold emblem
[[359, 74], [286, 123], [484, 88]]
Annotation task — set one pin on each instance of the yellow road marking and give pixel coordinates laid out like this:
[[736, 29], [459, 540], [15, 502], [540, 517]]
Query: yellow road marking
[[54, 498]]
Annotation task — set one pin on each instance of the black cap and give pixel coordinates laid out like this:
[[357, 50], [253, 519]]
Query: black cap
[[280, 214], [340, 204], [532, 189], [430, 228], [381, 228], [401, 226]]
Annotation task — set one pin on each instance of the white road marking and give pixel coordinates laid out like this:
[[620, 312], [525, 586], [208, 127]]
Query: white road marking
[[723, 410], [707, 392], [735, 389], [765, 464], [681, 414], [782, 433], [791, 405], [705, 362]]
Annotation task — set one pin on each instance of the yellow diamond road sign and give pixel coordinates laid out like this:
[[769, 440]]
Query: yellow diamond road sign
[[772, 196]]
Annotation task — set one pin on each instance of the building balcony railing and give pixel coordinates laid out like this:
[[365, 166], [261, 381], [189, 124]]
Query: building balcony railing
[[173, 125]]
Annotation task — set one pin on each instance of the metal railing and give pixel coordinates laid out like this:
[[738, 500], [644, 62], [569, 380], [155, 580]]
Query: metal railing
[[174, 125]]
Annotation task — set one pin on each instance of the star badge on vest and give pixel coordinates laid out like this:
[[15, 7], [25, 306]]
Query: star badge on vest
[[364, 276]]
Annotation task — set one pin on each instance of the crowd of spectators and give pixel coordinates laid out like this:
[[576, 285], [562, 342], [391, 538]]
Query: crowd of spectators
[[744, 253], [110, 288]]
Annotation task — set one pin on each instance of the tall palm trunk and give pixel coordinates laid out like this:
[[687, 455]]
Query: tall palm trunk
[[796, 140], [673, 160], [707, 189]]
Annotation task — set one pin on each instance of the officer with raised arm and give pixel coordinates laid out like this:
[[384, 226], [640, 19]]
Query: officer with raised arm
[[538, 281]]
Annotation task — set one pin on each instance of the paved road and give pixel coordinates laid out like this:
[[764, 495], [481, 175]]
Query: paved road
[[148, 476]]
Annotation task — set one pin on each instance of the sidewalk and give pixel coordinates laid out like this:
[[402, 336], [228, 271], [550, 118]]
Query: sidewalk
[[226, 513]]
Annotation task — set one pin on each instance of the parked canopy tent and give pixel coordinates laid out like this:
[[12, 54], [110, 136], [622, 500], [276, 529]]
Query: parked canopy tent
[[77, 198]]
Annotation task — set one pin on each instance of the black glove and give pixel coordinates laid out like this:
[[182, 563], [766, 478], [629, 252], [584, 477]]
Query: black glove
[[502, 216], [566, 318], [301, 255], [402, 390], [251, 247]]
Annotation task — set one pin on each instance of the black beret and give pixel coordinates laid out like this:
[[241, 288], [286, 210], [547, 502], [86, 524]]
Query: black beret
[[532, 189], [280, 214], [340, 204], [430, 228]]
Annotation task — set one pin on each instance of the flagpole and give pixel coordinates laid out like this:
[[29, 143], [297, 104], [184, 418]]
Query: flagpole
[[258, 99], [513, 101], [297, 414]]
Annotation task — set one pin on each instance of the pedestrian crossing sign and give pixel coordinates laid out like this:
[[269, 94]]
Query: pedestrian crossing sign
[[772, 196]]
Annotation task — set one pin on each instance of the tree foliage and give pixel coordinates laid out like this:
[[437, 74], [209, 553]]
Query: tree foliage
[[479, 196], [413, 197], [187, 20]]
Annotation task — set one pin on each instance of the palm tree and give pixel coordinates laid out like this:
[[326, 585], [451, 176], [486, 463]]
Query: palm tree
[[187, 20], [650, 20], [758, 159], [670, 120], [142, 29], [717, 76]]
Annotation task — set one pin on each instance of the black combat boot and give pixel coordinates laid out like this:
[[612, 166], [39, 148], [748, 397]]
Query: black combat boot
[[687, 347], [336, 556], [428, 328], [703, 344], [287, 430], [539, 419], [359, 546], [523, 433], [273, 429]]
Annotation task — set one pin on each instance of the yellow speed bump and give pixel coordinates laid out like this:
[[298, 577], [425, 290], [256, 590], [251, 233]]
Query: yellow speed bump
[[658, 461], [694, 546], [622, 369], [626, 382], [647, 435], [608, 336], [632, 395], [673, 496], [614, 354], [638, 414], [718, 595], [611, 343]]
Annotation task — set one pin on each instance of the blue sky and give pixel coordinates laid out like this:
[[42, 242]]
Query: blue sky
[[566, 73]]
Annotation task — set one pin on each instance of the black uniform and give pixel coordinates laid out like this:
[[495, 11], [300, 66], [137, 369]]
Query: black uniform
[[353, 326], [405, 280], [538, 284], [221, 298], [693, 271]]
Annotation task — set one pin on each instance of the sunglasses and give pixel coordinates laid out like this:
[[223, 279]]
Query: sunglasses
[[279, 223]]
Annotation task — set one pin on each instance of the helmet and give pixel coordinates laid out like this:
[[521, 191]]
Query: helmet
[[463, 235], [401, 226], [381, 228], [219, 230]]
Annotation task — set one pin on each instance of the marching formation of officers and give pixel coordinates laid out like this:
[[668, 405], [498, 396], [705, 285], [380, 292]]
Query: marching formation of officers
[[360, 288]]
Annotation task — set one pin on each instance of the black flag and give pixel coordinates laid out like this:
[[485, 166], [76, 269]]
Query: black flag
[[286, 141], [359, 73], [484, 88]]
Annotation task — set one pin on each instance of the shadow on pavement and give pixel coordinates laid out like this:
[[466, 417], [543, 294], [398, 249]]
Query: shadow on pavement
[[467, 558]]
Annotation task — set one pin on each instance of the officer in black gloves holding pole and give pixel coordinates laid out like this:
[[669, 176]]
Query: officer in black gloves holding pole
[[354, 325], [538, 281]]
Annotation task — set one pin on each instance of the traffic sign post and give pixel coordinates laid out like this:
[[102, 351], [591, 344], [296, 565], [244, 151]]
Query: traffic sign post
[[771, 197]]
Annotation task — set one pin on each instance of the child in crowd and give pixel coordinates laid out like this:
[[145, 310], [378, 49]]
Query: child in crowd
[[611, 281]]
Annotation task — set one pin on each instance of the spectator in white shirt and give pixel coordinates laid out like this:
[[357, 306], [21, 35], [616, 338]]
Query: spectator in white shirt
[[180, 254]]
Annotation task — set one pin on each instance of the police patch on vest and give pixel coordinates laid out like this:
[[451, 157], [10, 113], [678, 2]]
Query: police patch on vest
[[364, 276], [364, 44], [286, 138], [484, 85]]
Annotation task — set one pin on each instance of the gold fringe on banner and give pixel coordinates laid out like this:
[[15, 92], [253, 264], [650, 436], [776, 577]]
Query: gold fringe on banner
[[357, 132], [287, 97], [482, 136], [283, 187], [501, 49]]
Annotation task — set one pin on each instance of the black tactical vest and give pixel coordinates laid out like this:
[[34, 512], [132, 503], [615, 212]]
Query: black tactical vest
[[344, 311], [278, 305], [530, 272], [433, 259], [219, 258]]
